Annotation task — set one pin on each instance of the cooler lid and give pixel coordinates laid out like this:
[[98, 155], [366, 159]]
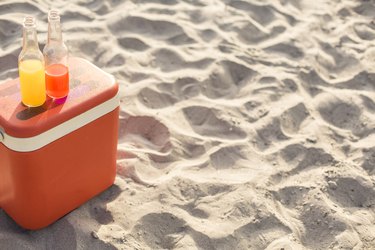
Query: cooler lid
[[90, 87]]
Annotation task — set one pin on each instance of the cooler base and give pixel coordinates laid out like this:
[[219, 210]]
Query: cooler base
[[39, 187]]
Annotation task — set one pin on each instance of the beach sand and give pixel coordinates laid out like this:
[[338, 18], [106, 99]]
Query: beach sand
[[243, 124]]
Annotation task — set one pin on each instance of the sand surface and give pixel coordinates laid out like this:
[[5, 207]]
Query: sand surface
[[243, 125]]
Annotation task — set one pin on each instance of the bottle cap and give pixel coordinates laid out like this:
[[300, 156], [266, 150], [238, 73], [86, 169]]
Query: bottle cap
[[53, 15], [29, 21]]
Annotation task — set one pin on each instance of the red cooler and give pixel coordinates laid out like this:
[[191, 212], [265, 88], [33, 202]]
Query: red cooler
[[56, 157]]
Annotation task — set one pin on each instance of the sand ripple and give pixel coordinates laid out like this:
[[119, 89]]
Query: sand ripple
[[244, 124]]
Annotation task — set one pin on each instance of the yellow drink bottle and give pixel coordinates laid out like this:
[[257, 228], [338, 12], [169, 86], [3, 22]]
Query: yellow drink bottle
[[31, 67]]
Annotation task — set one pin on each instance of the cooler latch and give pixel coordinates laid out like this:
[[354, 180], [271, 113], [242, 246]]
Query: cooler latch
[[1, 136]]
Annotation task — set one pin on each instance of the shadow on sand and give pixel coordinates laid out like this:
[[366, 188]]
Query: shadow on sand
[[76, 230]]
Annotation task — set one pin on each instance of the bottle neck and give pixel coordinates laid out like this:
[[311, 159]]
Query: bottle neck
[[30, 40], [54, 32]]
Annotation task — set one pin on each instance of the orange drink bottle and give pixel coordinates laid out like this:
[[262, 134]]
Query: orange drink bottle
[[56, 59], [31, 67]]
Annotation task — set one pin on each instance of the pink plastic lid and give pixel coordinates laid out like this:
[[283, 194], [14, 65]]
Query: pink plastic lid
[[89, 87]]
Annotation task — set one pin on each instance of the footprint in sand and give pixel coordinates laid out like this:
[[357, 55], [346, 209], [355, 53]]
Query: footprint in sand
[[227, 80], [352, 192], [204, 121]]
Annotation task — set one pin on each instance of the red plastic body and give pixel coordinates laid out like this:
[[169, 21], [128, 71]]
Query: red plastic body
[[39, 187]]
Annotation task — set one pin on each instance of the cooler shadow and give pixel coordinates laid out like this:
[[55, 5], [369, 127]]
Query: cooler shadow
[[68, 232]]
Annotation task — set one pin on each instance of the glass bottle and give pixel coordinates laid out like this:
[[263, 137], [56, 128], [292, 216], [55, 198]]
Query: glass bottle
[[56, 59], [31, 67]]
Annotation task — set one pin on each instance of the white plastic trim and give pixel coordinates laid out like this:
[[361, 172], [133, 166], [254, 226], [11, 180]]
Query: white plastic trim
[[36, 142]]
